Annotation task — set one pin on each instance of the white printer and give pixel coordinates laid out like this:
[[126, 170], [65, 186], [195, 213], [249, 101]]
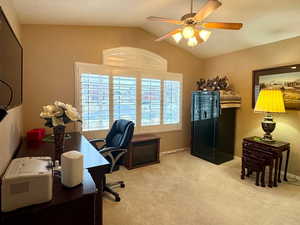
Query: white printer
[[27, 181]]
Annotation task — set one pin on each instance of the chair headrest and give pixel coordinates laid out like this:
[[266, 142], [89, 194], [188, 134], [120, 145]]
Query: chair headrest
[[120, 134], [121, 125]]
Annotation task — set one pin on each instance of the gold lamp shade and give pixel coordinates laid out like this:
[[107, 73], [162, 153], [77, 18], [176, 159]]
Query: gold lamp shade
[[270, 100]]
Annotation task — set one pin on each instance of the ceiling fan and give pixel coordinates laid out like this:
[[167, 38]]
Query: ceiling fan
[[193, 24]]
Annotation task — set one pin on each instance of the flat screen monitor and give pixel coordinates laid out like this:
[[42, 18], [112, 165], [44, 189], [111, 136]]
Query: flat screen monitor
[[11, 58]]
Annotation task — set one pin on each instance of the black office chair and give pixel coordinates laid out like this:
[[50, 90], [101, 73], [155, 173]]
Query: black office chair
[[115, 146]]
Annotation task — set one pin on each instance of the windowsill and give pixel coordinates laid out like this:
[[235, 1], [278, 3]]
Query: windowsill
[[158, 131], [141, 132]]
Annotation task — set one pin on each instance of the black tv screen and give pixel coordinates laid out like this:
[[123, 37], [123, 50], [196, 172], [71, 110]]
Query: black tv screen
[[11, 57]]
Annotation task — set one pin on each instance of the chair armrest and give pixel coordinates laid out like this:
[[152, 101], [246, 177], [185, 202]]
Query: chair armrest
[[97, 140], [94, 142], [109, 149], [114, 158]]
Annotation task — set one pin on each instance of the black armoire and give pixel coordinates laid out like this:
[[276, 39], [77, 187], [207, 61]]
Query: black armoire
[[213, 128]]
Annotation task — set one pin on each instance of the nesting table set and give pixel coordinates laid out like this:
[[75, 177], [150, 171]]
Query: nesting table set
[[258, 154]]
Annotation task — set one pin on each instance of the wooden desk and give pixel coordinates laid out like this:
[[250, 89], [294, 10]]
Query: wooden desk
[[94, 162], [275, 148], [69, 206]]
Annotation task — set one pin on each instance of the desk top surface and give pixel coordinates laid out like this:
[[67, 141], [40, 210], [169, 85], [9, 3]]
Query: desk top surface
[[61, 195], [92, 158]]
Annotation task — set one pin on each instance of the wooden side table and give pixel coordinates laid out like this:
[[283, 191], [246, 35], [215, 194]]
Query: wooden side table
[[257, 157], [143, 150], [276, 148]]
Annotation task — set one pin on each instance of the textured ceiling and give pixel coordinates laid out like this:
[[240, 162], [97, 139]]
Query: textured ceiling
[[265, 21]]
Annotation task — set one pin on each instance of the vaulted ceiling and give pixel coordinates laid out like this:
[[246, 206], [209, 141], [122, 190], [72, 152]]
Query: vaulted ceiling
[[265, 21]]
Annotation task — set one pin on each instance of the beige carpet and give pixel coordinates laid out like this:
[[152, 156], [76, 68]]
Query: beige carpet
[[185, 190]]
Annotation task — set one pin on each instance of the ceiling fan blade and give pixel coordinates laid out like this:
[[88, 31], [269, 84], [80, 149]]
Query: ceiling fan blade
[[207, 9], [229, 26], [165, 20], [168, 34]]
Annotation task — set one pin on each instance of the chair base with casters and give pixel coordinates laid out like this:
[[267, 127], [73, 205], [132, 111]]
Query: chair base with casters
[[109, 155], [114, 147], [108, 187]]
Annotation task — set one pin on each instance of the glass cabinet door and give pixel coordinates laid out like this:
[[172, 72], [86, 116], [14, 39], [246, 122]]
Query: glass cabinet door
[[216, 107]]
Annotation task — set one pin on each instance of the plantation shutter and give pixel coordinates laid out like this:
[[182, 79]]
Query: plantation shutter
[[94, 101], [124, 98], [151, 101], [171, 109]]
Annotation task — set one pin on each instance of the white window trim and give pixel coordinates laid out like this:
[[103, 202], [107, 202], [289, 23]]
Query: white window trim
[[139, 63], [134, 58], [139, 74]]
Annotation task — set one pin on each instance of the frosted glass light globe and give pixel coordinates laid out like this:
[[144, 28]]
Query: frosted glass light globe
[[204, 34], [192, 42], [177, 37], [188, 32]]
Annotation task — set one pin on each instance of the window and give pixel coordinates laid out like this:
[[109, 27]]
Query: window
[[150, 102], [124, 94], [151, 99], [95, 101], [171, 101]]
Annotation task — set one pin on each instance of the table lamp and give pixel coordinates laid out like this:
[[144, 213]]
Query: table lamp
[[269, 101]]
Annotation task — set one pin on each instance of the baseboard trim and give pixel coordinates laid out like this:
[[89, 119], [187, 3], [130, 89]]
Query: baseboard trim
[[174, 151], [290, 175], [237, 157]]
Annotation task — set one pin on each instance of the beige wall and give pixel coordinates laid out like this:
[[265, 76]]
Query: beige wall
[[50, 53], [11, 126], [239, 66], [11, 16]]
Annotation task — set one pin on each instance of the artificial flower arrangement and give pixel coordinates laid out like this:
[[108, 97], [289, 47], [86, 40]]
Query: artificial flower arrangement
[[59, 114]]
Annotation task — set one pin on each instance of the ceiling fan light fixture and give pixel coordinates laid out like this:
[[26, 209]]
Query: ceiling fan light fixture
[[204, 34], [188, 32], [177, 37], [192, 42], [192, 20]]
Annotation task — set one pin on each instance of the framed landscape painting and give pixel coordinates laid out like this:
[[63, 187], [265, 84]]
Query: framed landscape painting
[[286, 78]]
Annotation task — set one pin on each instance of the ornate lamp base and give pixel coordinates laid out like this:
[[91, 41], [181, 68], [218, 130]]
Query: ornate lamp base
[[268, 125]]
